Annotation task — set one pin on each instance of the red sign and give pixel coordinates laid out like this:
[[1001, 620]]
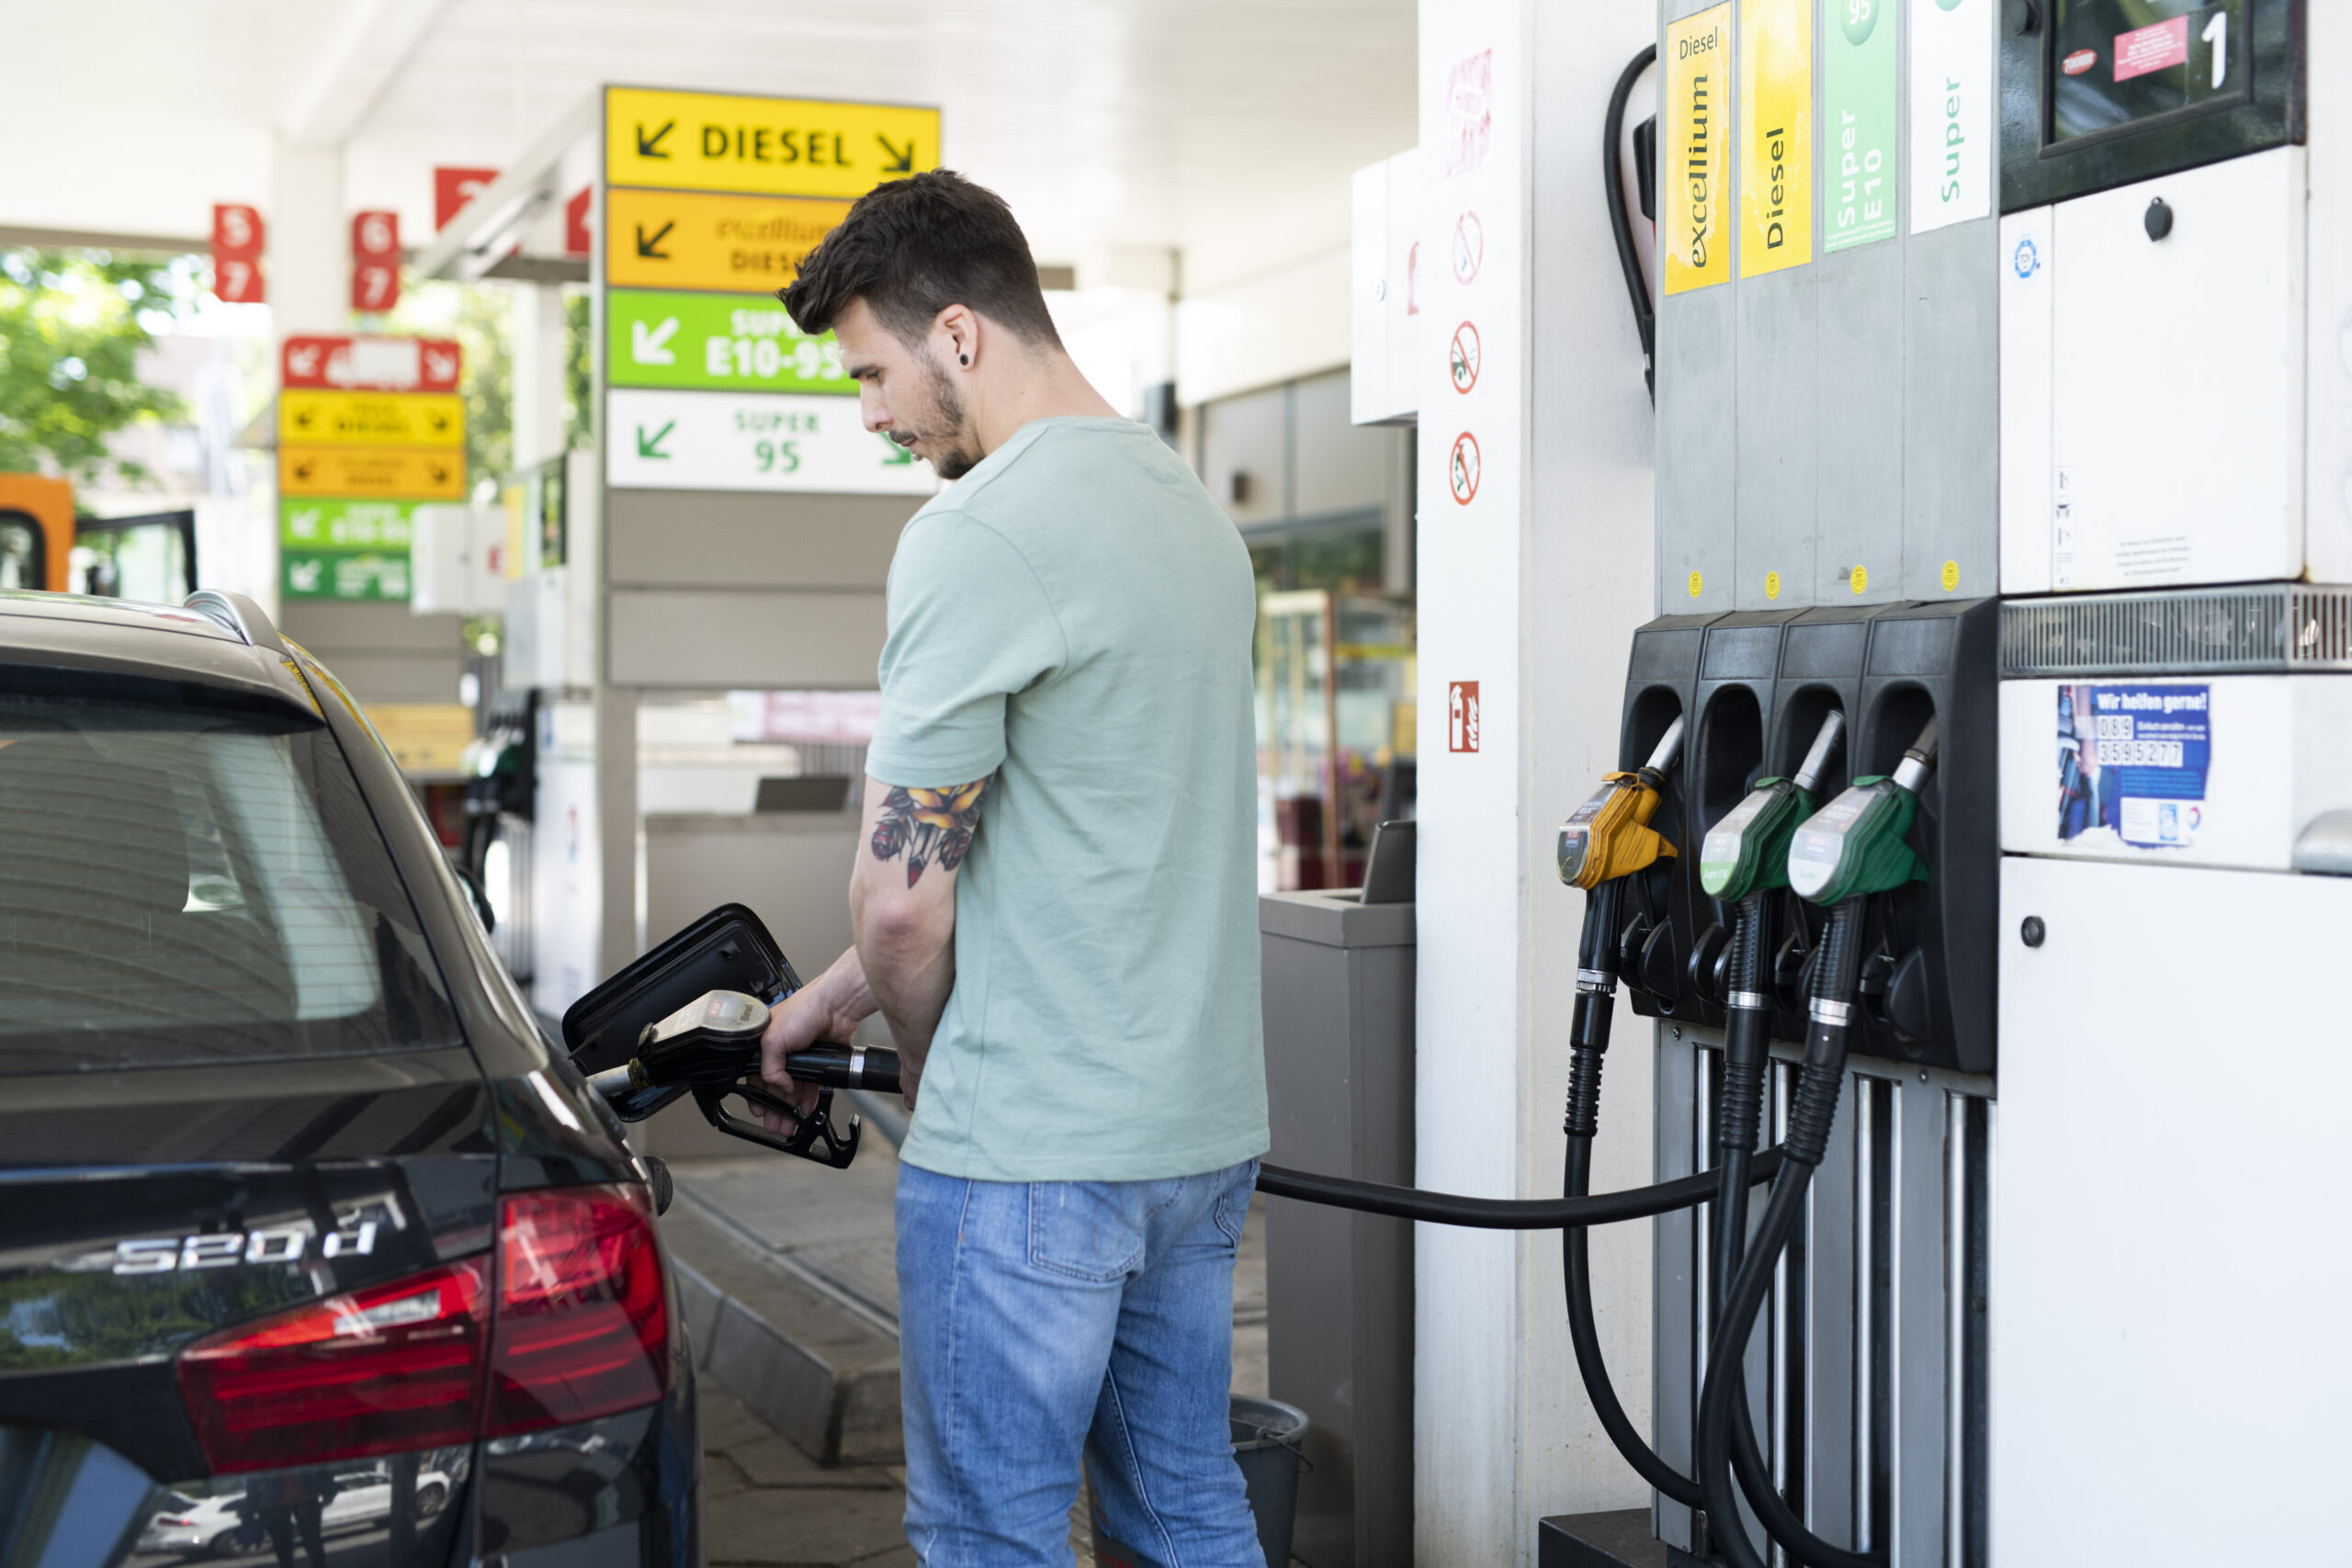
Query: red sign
[[2082, 60], [375, 260], [2156, 48], [1461, 716], [452, 188], [575, 225], [1462, 358], [237, 237], [376, 236], [1462, 468], [372, 364]]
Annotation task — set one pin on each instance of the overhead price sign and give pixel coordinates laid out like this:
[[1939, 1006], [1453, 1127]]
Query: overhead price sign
[[716, 342], [659, 440], [372, 418], [768, 146], [744, 243], [388, 473]]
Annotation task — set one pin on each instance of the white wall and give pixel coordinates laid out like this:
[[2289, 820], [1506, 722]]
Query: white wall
[[1533, 589]]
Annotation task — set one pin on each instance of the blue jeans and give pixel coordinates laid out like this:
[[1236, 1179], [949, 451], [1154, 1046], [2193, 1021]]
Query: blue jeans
[[1033, 1317]]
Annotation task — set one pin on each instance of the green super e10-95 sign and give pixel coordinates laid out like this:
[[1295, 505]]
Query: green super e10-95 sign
[[722, 342]]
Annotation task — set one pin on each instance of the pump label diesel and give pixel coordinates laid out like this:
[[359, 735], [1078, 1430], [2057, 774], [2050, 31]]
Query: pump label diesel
[[1696, 180], [1776, 135], [2132, 762]]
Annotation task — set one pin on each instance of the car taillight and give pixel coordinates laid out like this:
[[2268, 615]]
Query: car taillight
[[583, 1312], [580, 1328], [373, 1371]]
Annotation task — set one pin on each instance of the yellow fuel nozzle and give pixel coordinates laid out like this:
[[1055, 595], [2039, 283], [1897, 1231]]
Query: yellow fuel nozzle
[[1609, 836]]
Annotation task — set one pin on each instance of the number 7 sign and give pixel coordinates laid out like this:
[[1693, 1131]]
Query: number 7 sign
[[236, 253]]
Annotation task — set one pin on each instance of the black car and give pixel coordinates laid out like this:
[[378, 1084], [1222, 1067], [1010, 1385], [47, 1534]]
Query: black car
[[311, 1249]]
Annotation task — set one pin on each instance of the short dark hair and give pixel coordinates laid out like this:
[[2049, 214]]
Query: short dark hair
[[912, 248]]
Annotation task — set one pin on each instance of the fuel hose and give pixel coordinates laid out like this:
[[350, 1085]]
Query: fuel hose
[[1745, 1056], [1501, 1213], [1620, 222], [1818, 1088]]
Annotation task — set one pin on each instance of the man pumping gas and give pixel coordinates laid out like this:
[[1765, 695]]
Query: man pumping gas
[[1053, 907]]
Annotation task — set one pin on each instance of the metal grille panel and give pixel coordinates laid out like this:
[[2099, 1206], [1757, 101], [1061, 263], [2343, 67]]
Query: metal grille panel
[[1867, 1377], [2262, 628]]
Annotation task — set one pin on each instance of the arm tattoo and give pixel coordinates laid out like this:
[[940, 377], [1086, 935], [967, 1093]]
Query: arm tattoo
[[927, 825]]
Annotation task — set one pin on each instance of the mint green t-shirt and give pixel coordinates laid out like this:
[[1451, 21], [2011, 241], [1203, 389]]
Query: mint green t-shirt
[[1075, 617]]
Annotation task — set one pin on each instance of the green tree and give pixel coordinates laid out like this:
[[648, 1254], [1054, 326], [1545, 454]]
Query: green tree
[[72, 326]]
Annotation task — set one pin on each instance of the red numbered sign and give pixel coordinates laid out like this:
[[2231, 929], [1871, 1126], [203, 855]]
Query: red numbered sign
[[374, 261], [237, 238], [452, 188]]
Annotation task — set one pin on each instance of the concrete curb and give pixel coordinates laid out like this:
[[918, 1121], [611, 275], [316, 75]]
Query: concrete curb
[[804, 1363]]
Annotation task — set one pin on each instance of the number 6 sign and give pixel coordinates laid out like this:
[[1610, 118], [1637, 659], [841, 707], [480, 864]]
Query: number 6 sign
[[374, 261]]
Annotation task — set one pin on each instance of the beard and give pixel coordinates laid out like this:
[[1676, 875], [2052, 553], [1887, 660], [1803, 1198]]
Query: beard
[[954, 449]]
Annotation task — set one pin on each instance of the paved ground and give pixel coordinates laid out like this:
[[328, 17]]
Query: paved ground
[[770, 1505]]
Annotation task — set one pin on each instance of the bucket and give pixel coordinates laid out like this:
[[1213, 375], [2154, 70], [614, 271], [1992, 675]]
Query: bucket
[[1267, 1435]]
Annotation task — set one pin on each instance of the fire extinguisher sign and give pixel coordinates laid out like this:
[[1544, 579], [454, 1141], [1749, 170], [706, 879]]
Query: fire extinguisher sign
[[1461, 716]]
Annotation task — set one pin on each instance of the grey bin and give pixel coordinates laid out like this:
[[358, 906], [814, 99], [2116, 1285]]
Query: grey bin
[[1338, 990], [1267, 1435]]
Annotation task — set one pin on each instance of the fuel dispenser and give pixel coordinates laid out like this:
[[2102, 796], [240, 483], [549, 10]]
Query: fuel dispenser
[[2038, 493]]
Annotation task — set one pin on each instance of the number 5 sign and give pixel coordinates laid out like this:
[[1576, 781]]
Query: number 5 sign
[[236, 253]]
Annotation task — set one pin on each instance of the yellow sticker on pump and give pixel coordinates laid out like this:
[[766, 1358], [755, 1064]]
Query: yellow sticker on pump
[[1775, 135], [1694, 150]]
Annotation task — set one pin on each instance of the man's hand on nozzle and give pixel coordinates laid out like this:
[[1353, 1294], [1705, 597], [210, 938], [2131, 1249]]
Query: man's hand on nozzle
[[829, 1007]]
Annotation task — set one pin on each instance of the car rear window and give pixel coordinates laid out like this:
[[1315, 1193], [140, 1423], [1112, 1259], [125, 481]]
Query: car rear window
[[187, 879]]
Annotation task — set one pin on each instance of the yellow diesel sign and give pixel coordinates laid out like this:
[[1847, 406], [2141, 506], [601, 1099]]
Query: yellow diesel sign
[[660, 239], [1694, 150], [1776, 134], [405, 473], [371, 418], [772, 146]]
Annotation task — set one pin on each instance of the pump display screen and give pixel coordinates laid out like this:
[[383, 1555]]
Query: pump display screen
[[2119, 64]]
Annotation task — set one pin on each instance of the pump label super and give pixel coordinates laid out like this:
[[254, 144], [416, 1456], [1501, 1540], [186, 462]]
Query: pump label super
[[2132, 762]]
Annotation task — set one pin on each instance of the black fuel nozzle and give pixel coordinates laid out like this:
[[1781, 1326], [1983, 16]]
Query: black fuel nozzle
[[712, 1046]]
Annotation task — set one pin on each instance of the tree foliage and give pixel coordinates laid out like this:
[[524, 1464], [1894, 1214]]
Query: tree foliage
[[72, 327]]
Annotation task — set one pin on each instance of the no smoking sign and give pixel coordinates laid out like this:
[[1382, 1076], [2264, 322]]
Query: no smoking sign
[[1462, 358], [1462, 468]]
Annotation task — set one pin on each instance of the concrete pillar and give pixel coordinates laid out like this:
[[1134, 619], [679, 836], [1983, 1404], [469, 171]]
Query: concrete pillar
[[1532, 560], [538, 372], [308, 270]]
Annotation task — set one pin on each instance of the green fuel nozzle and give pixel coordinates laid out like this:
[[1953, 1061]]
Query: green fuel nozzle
[[1748, 851], [1854, 845]]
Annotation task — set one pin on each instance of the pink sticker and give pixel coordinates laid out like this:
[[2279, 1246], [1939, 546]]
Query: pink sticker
[[2082, 60], [1469, 106], [2144, 50]]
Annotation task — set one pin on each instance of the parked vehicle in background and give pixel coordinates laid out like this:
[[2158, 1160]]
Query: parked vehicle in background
[[310, 1243]]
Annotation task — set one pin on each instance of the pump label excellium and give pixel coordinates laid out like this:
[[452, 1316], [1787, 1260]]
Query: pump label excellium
[[2131, 763]]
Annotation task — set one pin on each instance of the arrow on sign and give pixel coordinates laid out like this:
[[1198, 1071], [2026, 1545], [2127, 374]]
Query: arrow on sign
[[645, 347], [900, 162], [305, 574], [651, 447], [645, 246], [647, 145], [302, 361], [438, 420], [437, 472], [305, 468], [303, 418], [440, 366]]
